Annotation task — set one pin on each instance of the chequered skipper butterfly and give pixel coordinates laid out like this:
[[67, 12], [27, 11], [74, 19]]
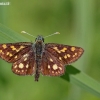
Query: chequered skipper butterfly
[[35, 58]]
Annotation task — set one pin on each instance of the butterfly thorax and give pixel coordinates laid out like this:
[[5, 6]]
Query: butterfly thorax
[[38, 48]]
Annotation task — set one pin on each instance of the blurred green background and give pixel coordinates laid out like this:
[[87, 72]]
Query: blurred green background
[[78, 21]]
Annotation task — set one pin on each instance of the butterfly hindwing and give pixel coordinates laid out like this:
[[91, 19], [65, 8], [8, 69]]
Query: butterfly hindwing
[[25, 65], [51, 65]]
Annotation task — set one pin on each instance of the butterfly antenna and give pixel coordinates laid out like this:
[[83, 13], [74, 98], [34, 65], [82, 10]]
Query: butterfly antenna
[[27, 33], [52, 34]]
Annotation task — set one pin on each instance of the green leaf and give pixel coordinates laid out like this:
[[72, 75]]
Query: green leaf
[[8, 35], [79, 78], [72, 74]]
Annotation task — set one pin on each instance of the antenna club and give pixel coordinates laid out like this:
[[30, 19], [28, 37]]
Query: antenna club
[[23, 32], [57, 33], [27, 33]]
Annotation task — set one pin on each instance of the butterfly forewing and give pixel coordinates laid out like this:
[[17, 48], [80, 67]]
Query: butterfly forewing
[[56, 56], [11, 52], [65, 53]]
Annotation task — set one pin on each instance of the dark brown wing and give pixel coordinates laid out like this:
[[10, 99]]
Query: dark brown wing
[[56, 56], [11, 52], [25, 65], [51, 65], [21, 55]]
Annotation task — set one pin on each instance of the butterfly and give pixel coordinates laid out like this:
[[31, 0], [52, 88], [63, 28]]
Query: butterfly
[[29, 58]]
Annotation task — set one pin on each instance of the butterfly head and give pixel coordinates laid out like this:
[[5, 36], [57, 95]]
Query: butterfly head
[[39, 39]]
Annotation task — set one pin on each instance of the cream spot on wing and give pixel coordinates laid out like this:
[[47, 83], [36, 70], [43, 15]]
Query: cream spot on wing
[[10, 54], [7, 53], [25, 59], [12, 47], [15, 66], [72, 48], [15, 57], [17, 50], [25, 55], [16, 70], [58, 71], [63, 50], [55, 66], [51, 60], [57, 49], [21, 47], [48, 66], [27, 66], [22, 71], [68, 55], [65, 56], [53, 72], [60, 58], [75, 54], [4, 46], [21, 65], [60, 68], [80, 53], [0, 51]]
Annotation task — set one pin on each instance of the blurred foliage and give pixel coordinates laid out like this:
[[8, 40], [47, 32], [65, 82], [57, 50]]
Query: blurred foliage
[[78, 22]]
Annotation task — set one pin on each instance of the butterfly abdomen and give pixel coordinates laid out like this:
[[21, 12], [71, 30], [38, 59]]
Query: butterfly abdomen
[[38, 58]]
